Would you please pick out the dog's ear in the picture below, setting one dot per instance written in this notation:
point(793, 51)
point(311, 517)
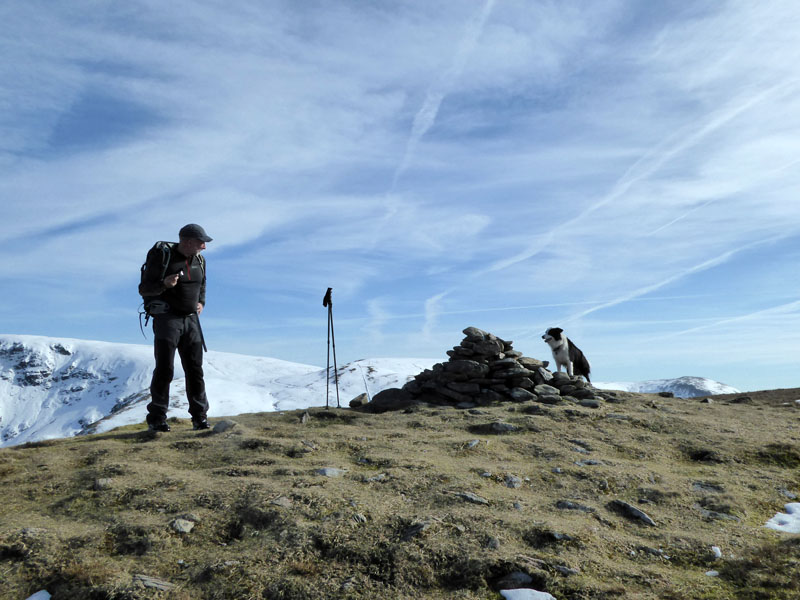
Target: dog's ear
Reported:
point(555, 331)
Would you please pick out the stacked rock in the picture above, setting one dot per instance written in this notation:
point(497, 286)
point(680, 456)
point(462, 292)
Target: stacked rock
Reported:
point(485, 369)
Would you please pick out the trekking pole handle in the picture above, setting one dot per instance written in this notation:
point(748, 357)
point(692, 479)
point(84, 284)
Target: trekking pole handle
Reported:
point(327, 299)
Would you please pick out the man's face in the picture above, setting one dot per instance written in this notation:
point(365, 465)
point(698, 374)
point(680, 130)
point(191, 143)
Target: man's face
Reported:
point(191, 247)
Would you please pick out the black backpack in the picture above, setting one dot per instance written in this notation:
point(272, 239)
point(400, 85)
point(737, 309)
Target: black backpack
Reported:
point(158, 257)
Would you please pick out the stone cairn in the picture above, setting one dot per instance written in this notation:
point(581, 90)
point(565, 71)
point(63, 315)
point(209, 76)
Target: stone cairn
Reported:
point(484, 369)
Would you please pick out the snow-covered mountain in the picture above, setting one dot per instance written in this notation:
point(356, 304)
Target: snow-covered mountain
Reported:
point(682, 387)
point(52, 388)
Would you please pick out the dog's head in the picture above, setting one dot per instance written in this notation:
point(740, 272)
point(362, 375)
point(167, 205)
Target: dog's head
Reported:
point(553, 337)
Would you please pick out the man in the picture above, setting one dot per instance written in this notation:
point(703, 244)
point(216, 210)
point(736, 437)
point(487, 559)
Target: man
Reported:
point(180, 290)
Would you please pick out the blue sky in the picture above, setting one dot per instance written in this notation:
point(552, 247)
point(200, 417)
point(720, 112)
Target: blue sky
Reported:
point(626, 170)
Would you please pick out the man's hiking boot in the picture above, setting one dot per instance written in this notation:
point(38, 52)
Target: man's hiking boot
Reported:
point(160, 426)
point(201, 423)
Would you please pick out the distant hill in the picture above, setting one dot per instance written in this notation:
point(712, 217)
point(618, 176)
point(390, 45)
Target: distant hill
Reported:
point(681, 387)
point(54, 388)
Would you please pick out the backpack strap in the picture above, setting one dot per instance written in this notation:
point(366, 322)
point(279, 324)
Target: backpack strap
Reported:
point(166, 253)
point(202, 264)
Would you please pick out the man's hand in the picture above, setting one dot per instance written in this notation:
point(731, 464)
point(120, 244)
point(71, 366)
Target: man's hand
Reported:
point(199, 308)
point(171, 280)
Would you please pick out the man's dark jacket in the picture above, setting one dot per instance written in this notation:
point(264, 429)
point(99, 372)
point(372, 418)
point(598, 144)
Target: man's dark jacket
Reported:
point(191, 288)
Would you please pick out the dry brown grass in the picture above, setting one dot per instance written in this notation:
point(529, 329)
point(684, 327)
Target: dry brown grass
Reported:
point(396, 524)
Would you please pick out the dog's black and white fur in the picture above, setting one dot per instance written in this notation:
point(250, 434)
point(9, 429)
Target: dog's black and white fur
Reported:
point(566, 354)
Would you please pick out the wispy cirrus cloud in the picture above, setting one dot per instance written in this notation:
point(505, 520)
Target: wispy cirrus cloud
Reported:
point(498, 164)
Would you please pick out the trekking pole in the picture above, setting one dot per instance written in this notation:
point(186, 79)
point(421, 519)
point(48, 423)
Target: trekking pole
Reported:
point(326, 301)
point(200, 329)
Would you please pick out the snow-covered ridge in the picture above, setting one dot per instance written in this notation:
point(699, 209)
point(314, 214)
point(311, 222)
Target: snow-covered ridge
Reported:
point(681, 387)
point(53, 388)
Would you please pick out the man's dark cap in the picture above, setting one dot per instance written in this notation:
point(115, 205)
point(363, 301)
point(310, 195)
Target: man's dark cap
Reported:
point(193, 231)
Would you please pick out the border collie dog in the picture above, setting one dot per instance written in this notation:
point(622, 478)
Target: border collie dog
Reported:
point(566, 354)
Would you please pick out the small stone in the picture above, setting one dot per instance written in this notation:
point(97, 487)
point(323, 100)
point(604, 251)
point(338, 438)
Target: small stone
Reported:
point(475, 334)
point(519, 394)
point(182, 525)
point(513, 482)
point(152, 582)
point(618, 417)
point(590, 403)
point(472, 443)
point(546, 390)
point(631, 512)
point(493, 428)
point(560, 377)
point(452, 394)
point(716, 551)
point(742, 400)
point(469, 368)
point(530, 363)
point(504, 363)
point(330, 472)
point(516, 372)
point(223, 426)
point(488, 347)
point(190, 517)
point(415, 529)
point(104, 483)
point(359, 400)
point(492, 543)
point(471, 389)
point(551, 399)
point(567, 505)
point(712, 573)
point(282, 501)
point(473, 498)
point(359, 518)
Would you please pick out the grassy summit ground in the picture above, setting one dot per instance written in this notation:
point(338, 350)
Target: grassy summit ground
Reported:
point(427, 503)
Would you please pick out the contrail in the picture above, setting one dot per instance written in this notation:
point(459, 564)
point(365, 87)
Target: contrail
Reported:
point(705, 265)
point(646, 166)
point(753, 183)
point(432, 311)
point(782, 309)
point(681, 217)
point(426, 116)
